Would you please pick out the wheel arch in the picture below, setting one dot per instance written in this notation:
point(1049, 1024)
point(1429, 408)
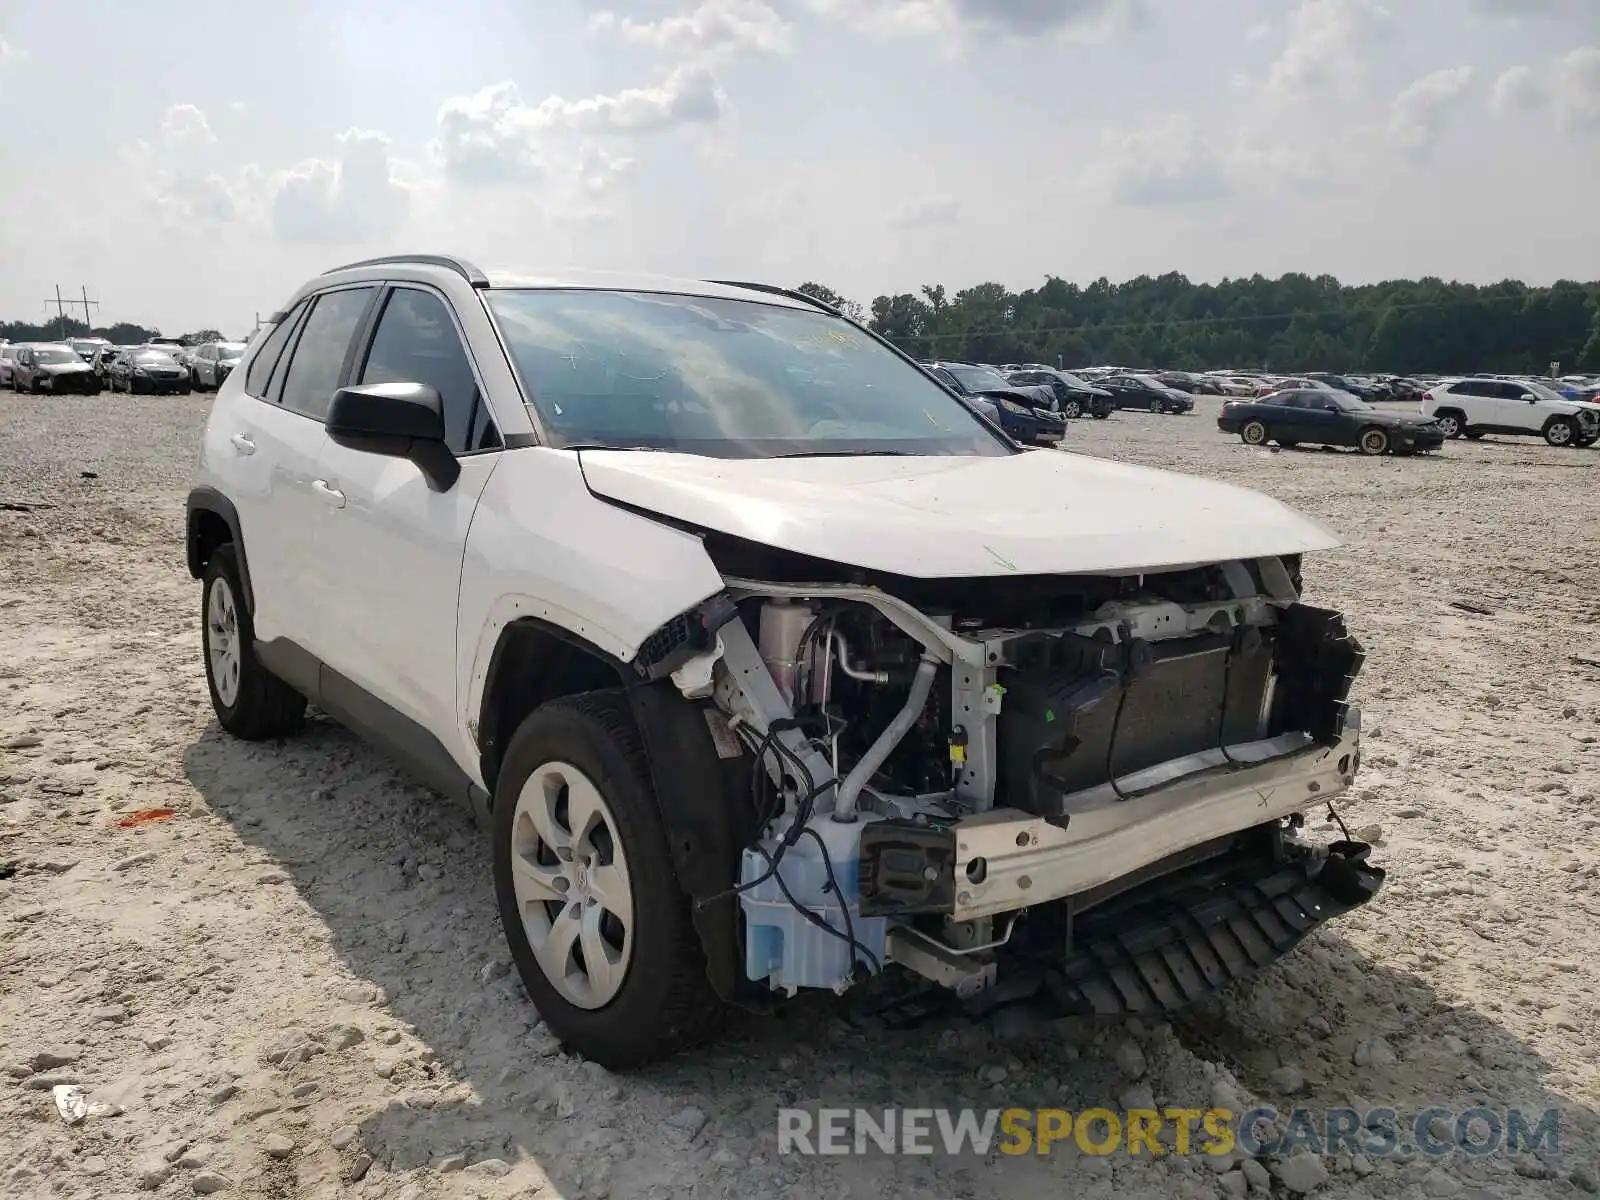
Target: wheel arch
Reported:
point(696, 788)
point(213, 521)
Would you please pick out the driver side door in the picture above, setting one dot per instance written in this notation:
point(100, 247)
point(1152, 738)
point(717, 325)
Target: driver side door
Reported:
point(389, 547)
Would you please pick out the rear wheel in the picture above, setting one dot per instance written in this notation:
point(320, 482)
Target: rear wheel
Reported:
point(1072, 410)
point(591, 908)
point(1472, 435)
point(1155, 406)
point(1450, 422)
point(1561, 431)
point(1288, 443)
point(1254, 433)
point(1373, 441)
point(250, 702)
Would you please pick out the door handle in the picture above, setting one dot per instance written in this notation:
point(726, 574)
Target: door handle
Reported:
point(242, 444)
point(331, 494)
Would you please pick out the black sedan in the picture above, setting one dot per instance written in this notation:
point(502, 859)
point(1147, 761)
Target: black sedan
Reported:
point(1147, 392)
point(1327, 419)
point(1073, 397)
point(148, 369)
point(1022, 410)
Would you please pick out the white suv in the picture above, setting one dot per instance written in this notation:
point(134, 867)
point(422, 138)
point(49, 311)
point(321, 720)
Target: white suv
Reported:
point(764, 663)
point(1475, 407)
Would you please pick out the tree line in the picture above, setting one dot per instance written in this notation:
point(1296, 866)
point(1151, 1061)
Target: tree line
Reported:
point(122, 333)
point(1293, 323)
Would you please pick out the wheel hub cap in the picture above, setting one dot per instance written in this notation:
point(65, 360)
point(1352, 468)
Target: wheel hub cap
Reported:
point(222, 641)
point(573, 889)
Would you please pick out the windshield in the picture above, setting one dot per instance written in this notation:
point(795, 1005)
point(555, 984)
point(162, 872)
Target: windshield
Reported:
point(1543, 391)
point(55, 356)
point(1072, 381)
point(153, 358)
point(1348, 402)
point(981, 379)
point(229, 350)
point(1150, 381)
point(725, 378)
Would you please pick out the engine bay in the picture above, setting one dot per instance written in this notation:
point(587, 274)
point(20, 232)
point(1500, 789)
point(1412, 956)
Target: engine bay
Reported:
point(934, 763)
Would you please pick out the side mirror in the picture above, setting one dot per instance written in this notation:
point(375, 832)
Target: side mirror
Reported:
point(1529, 397)
point(397, 420)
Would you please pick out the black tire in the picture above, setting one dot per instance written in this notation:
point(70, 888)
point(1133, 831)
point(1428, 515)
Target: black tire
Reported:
point(1373, 441)
point(1289, 444)
point(1072, 410)
point(264, 707)
point(1157, 407)
point(664, 1003)
point(1254, 433)
point(1452, 421)
point(1562, 432)
point(1472, 435)
point(1101, 416)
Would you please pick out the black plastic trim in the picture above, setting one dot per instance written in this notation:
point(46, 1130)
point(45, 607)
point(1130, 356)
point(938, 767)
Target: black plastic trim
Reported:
point(450, 262)
point(372, 719)
point(208, 499)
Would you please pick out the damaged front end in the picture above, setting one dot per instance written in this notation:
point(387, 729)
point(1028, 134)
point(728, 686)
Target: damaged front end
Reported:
point(1081, 791)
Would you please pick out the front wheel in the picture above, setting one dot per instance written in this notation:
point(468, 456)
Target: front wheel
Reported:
point(591, 907)
point(1254, 433)
point(1156, 406)
point(1561, 431)
point(1373, 441)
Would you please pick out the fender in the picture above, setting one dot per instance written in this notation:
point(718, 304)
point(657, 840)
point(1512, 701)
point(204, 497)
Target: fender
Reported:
point(699, 792)
point(206, 501)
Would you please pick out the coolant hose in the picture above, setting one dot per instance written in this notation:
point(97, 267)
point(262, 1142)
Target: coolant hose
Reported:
point(844, 807)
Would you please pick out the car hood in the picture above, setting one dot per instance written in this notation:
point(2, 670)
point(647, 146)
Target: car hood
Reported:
point(1025, 396)
point(1047, 512)
point(62, 368)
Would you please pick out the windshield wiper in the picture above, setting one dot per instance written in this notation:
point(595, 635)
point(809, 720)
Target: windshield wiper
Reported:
point(601, 446)
point(846, 454)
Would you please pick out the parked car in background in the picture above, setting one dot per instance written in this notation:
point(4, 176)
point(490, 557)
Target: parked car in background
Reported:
point(1327, 418)
point(100, 364)
point(1023, 412)
point(211, 363)
point(1477, 406)
point(87, 347)
point(1339, 383)
point(53, 367)
point(8, 361)
point(1236, 385)
point(1073, 396)
point(1146, 392)
point(148, 368)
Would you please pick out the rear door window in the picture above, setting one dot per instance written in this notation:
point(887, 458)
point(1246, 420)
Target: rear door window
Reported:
point(317, 361)
point(267, 355)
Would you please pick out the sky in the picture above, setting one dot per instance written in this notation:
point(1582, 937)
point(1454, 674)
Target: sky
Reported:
point(192, 164)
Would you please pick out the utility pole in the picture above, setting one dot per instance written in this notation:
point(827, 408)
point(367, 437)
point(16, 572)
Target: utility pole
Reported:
point(61, 307)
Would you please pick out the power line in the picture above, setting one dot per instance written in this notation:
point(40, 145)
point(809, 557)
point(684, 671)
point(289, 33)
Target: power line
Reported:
point(63, 305)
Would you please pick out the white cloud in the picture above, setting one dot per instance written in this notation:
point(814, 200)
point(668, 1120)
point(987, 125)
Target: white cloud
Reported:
point(1517, 88)
point(352, 200)
point(1167, 161)
point(1575, 90)
point(1419, 114)
point(714, 27)
point(1324, 47)
point(8, 52)
point(491, 136)
point(1016, 18)
point(184, 127)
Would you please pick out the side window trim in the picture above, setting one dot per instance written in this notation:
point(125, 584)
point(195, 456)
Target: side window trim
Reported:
point(367, 334)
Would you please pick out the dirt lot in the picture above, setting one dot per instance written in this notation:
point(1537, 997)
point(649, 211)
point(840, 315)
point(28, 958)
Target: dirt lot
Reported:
point(296, 986)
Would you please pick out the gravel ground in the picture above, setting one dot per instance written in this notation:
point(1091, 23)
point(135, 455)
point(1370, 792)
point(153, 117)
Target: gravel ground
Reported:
point(295, 986)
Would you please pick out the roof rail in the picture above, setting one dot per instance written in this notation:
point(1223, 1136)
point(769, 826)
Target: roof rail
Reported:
point(449, 261)
point(773, 289)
